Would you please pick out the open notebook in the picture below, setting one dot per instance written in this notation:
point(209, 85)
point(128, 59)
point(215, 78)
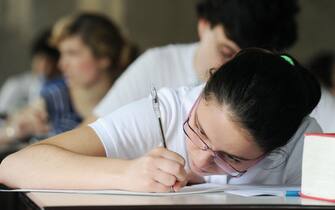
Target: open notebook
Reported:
point(243, 190)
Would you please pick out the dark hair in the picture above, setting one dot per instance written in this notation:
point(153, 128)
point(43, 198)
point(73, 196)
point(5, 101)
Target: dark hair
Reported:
point(101, 35)
point(322, 65)
point(41, 46)
point(249, 23)
point(266, 95)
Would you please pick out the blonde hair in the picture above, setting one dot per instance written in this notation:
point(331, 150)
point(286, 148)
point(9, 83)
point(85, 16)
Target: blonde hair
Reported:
point(59, 30)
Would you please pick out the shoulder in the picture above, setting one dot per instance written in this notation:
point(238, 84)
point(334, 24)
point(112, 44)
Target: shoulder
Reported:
point(183, 96)
point(170, 49)
point(15, 87)
point(327, 101)
point(323, 112)
point(294, 149)
point(168, 53)
point(19, 79)
point(308, 125)
point(53, 85)
point(55, 90)
point(155, 61)
point(176, 103)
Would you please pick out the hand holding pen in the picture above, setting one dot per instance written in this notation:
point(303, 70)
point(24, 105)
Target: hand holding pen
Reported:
point(160, 170)
point(157, 171)
point(155, 104)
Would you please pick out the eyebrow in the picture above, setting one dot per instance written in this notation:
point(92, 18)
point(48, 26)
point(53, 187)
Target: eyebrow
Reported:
point(200, 127)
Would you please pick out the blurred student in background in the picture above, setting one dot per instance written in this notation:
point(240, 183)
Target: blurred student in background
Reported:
point(322, 66)
point(21, 90)
point(93, 56)
point(224, 27)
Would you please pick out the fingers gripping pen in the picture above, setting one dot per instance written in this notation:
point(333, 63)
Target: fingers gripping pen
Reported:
point(155, 105)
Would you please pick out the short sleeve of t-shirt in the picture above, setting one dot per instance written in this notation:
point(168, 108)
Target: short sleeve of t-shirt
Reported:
point(133, 130)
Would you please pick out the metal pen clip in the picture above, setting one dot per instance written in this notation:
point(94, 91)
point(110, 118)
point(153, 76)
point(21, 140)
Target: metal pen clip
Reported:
point(155, 103)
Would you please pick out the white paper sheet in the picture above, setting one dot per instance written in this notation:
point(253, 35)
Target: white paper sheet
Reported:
point(242, 190)
point(194, 189)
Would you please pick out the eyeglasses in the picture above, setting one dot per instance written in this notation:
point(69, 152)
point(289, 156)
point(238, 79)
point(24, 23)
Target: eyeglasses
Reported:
point(230, 164)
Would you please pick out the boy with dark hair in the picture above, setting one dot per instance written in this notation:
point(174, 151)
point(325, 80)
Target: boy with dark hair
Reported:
point(224, 28)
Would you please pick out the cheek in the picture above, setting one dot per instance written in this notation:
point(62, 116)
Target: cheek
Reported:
point(86, 66)
point(83, 72)
point(85, 69)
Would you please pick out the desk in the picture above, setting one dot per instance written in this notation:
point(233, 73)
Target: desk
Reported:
point(53, 201)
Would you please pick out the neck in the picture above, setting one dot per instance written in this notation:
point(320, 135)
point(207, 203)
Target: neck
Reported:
point(199, 66)
point(85, 99)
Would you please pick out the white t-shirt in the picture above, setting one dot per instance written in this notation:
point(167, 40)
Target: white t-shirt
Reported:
point(168, 66)
point(133, 131)
point(324, 112)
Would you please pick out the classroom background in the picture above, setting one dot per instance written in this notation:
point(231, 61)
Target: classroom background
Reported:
point(147, 23)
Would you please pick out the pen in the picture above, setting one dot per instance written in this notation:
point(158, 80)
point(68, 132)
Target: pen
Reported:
point(155, 104)
point(292, 193)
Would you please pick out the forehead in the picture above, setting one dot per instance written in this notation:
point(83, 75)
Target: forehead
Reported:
point(71, 41)
point(224, 133)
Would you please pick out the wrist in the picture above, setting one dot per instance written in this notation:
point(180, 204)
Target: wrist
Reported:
point(115, 174)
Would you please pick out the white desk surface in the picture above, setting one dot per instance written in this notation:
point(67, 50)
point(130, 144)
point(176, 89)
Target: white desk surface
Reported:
point(65, 199)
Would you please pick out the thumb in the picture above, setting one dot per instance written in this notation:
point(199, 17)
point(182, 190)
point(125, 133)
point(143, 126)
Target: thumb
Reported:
point(179, 184)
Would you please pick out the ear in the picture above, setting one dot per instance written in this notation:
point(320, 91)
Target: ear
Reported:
point(203, 26)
